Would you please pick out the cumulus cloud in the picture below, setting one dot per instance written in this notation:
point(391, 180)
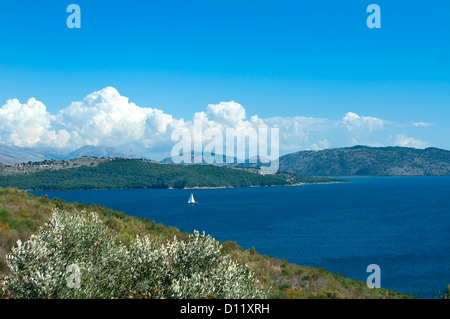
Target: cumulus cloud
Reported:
point(355, 122)
point(228, 113)
point(405, 141)
point(107, 118)
point(29, 124)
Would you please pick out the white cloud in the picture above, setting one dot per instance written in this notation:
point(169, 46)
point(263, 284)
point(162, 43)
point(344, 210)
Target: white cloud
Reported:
point(421, 124)
point(320, 145)
point(229, 113)
point(405, 141)
point(29, 124)
point(355, 122)
point(107, 118)
point(295, 132)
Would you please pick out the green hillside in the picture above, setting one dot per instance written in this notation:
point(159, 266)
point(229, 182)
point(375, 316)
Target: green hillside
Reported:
point(136, 173)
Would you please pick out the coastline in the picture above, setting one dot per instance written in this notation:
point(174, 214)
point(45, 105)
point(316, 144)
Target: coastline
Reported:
point(184, 188)
point(287, 185)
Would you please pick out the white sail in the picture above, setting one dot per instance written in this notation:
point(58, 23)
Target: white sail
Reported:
point(191, 199)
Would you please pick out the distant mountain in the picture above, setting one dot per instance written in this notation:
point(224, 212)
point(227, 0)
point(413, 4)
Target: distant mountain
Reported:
point(194, 156)
point(15, 155)
point(351, 161)
point(368, 161)
point(97, 151)
point(254, 162)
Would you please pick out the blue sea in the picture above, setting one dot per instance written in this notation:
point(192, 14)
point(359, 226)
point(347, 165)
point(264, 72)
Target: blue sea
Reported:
point(401, 224)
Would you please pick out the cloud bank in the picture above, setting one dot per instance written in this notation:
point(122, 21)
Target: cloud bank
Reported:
point(107, 118)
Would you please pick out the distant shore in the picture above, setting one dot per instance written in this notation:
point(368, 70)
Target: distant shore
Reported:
point(287, 185)
point(184, 188)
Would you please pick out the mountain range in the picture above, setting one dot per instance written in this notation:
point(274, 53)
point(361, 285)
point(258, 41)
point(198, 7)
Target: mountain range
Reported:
point(349, 161)
point(357, 161)
point(15, 155)
point(202, 159)
point(368, 161)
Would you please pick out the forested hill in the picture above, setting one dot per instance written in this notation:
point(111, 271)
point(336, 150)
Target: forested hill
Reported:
point(92, 173)
point(368, 161)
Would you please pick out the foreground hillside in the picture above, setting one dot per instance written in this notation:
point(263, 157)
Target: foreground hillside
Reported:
point(21, 214)
point(368, 161)
point(91, 173)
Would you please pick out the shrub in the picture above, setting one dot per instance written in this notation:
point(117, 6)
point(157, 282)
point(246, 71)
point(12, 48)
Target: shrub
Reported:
point(42, 266)
point(445, 294)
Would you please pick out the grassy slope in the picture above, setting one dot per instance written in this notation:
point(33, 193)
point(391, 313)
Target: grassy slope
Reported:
point(21, 214)
point(132, 173)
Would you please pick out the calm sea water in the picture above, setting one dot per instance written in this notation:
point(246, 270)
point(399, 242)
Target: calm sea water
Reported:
point(400, 223)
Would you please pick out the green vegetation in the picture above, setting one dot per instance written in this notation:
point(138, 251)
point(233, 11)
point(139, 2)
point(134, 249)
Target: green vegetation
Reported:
point(134, 173)
point(75, 256)
point(23, 213)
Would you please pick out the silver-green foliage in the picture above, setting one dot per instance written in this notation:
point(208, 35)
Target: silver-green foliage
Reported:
point(109, 269)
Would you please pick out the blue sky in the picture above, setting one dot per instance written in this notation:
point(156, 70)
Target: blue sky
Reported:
point(314, 59)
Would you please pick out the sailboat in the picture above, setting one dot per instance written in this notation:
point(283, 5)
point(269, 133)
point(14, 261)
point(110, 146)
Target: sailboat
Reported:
point(192, 200)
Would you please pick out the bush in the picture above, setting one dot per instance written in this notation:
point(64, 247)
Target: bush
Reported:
point(46, 266)
point(445, 294)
